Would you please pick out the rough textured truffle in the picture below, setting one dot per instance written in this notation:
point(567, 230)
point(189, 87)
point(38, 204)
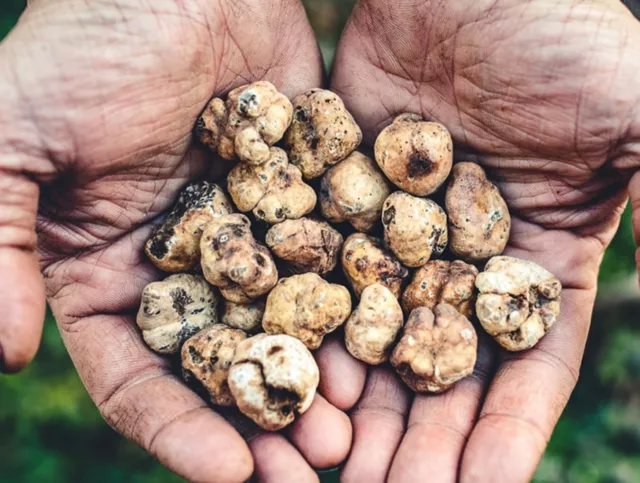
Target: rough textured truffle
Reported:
point(519, 301)
point(174, 245)
point(246, 317)
point(322, 132)
point(437, 349)
point(207, 357)
point(442, 282)
point(306, 307)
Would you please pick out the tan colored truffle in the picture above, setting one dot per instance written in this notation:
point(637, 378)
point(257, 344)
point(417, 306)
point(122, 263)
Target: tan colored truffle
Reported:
point(372, 328)
point(322, 132)
point(234, 261)
point(174, 245)
point(307, 245)
point(273, 379)
point(253, 118)
point(354, 191)
point(306, 307)
point(414, 154)
point(246, 317)
point(174, 309)
point(415, 229)
point(519, 301)
point(442, 282)
point(437, 349)
point(273, 190)
point(479, 220)
point(365, 262)
point(207, 357)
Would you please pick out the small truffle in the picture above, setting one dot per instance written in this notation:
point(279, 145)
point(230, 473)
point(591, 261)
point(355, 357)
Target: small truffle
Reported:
point(307, 245)
point(174, 245)
point(372, 328)
point(273, 379)
point(322, 132)
point(253, 119)
point(415, 229)
point(306, 307)
point(437, 349)
point(442, 282)
point(365, 262)
point(207, 357)
point(246, 317)
point(479, 220)
point(519, 301)
point(174, 309)
point(414, 154)
point(354, 191)
point(273, 190)
point(234, 261)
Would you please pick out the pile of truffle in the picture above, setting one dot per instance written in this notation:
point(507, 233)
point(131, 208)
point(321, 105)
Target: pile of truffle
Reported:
point(288, 277)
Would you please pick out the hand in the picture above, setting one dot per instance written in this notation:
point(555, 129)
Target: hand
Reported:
point(543, 94)
point(99, 100)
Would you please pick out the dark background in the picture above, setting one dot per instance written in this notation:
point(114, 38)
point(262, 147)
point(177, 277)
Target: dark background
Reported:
point(50, 432)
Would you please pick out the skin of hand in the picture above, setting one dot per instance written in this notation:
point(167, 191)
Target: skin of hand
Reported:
point(99, 100)
point(543, 93)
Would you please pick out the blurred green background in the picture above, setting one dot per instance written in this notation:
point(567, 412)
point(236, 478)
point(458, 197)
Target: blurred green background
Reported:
point(50, 431)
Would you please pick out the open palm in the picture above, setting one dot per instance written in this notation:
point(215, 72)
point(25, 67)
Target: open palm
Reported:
point(543, 93)
point(105, 97)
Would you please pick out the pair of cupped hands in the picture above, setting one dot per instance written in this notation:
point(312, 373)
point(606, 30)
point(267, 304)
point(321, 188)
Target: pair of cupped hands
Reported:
point(98, 103)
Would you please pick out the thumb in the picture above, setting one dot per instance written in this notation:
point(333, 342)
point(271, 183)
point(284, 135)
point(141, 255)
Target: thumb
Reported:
point(22, 297)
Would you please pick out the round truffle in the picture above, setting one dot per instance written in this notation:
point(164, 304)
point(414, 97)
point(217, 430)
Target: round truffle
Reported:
point(415, 229)
point(414, 154)
point(354, 191)
point(246, 317)
point(273, 379)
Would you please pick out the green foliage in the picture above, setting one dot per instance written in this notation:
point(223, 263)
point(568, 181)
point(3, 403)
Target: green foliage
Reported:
point(51, 432)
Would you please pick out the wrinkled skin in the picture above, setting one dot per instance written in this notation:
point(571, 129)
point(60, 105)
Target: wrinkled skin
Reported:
point(540, 93)
point(102, 135)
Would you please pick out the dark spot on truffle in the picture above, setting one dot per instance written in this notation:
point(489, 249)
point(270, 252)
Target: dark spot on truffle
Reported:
point(274, 350)
point(159, 246)
point(195, 356)
point(419, 166)
point(180, 300)
point(389, 215)
point(361, 265)
point(260, 260)
point(301, 115)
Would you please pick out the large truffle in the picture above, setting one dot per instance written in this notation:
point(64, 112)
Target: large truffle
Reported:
point(519, 301)
point(306, 307)
point(372, 328)
point(479, 220)
point(234, 261)
point(322, 132)
point(174, 245)
point(414, 154)
point(366, 262)
point(273, 379)
point(274, 190)
point(254, 117)
point(415, 229)
point(174, 309)
point(354, 191)
point(307, 245)
point(207, 357)
point(437, 349)
point(442, 282)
